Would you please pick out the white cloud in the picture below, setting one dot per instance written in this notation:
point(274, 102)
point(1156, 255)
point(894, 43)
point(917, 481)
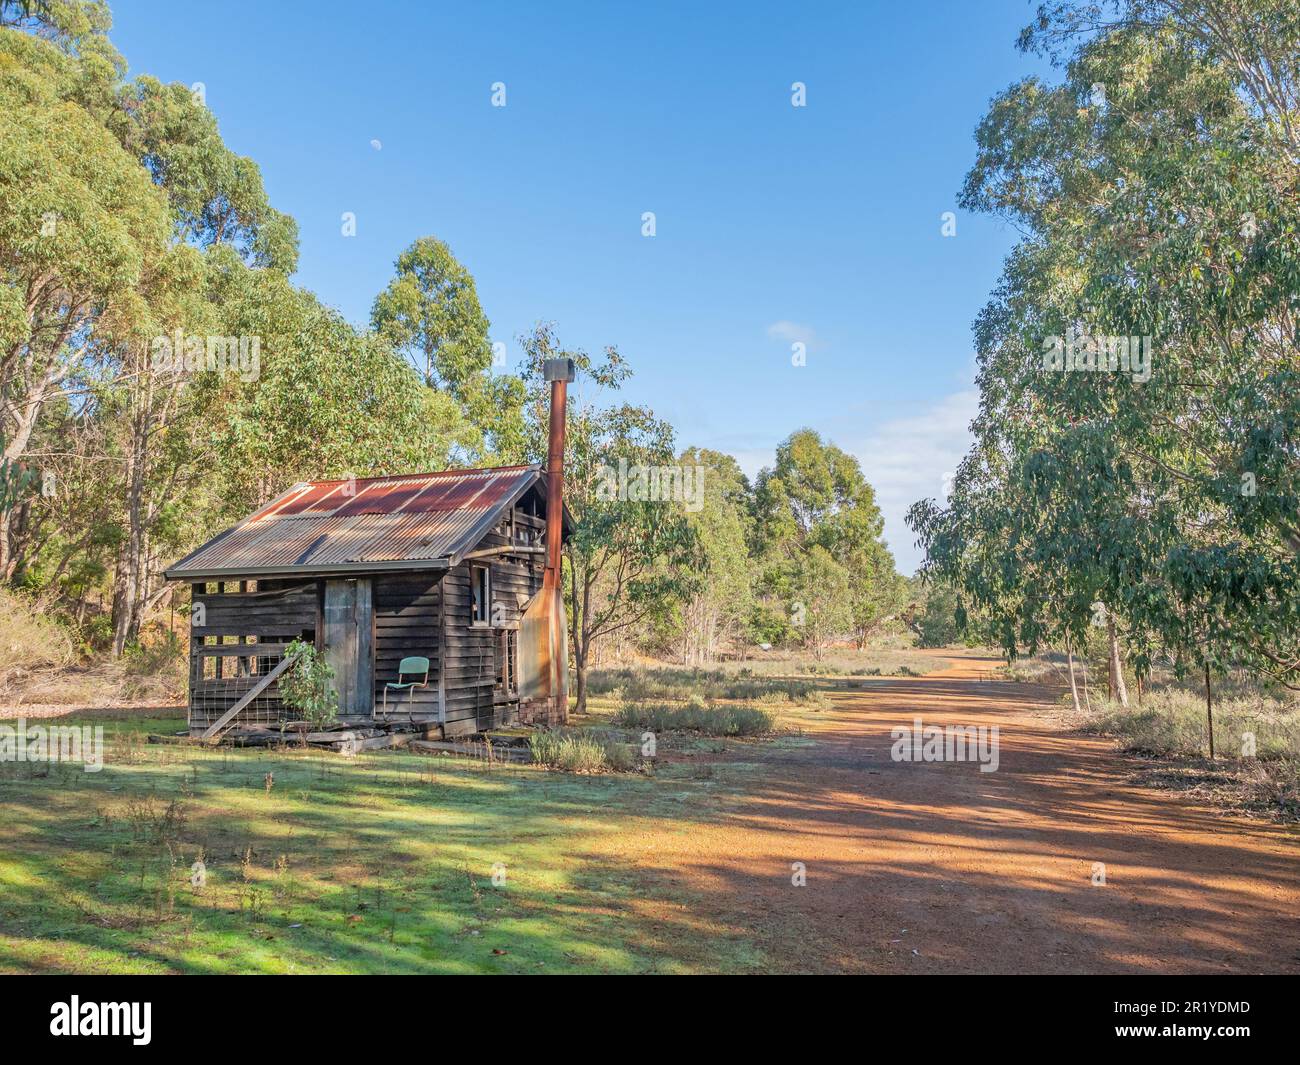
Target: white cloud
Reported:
point(792, 332)
point(906, 459)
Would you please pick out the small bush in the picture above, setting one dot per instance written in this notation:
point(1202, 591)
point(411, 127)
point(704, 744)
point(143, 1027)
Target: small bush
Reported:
point(708, 720)
point(308, 685)
point(146, 658)
point(619, 758)
point(579, 752)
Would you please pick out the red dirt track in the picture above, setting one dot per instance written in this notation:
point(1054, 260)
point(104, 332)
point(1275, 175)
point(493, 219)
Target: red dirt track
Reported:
point(938, 868)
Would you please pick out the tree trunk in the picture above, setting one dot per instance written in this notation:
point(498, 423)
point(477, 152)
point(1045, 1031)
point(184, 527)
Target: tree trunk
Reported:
point(1117, 687)
point(580, 680)
point(1074, 687)
point(1209, 710)
point(580, 638)
point(5, 553)
point(129, 580)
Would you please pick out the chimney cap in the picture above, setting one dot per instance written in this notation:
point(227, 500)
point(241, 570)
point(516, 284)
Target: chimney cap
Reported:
point(559, 369)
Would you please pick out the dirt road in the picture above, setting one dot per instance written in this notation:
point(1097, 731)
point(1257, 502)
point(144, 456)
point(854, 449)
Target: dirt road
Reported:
point(938, 867)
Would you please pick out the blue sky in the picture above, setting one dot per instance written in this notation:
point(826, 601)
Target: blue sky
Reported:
point(774, 224)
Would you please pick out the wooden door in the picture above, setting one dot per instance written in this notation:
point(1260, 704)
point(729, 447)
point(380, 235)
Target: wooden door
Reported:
point(348, 643)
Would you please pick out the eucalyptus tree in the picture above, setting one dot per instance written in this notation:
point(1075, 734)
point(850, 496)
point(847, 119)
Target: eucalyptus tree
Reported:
point(430, 312)
point(1155, 185)
point(721, 516)
point(815, 496)
point(222, 221)
point(82, 227)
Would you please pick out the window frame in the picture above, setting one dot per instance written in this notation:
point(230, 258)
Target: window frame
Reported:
point(475, 569)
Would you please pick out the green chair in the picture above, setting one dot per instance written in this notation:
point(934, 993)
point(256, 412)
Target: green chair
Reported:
point(412, 667)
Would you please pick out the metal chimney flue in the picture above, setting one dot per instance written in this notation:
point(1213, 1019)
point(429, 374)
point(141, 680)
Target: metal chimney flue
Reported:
point(543, 640)
point(559, 372)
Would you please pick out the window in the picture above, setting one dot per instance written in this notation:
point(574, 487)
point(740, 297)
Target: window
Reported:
point(507, 655)
point(480, 590)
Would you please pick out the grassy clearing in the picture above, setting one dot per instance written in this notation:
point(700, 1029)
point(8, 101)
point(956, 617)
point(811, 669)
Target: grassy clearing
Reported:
point(637, 683)
point(387, 862)
point(695, 716)
point(712, 703)
point(1257, 741)
point(879, 662)
point(773, 680)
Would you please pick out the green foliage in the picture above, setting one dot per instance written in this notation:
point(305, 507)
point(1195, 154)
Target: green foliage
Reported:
point(308, 685)
point(329, 402)
point(937, 624)
point(716, 614)
point(430, 311)
point(15, 483)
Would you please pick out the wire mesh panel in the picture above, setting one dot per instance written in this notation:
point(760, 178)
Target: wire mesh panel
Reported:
point(211, 695)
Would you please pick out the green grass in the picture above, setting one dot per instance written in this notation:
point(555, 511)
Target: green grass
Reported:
point(317, 863)
point(872, 662)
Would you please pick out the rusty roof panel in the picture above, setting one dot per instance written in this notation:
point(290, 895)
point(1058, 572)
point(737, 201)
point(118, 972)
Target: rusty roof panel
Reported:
point(427, 517)
point(306, 497)
point(385, 498)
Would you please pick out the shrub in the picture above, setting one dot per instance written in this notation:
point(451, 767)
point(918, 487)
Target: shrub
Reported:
point(579, 752)
point(146, 657)
point(308, 685)
point(1171, 723)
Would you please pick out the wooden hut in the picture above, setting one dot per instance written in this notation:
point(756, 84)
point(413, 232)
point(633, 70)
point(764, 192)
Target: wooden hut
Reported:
point(373, 571)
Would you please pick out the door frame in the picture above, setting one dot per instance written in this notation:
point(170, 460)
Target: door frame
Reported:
point(354, 623)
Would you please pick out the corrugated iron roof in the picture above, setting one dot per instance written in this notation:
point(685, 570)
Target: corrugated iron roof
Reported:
point(370, 523)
